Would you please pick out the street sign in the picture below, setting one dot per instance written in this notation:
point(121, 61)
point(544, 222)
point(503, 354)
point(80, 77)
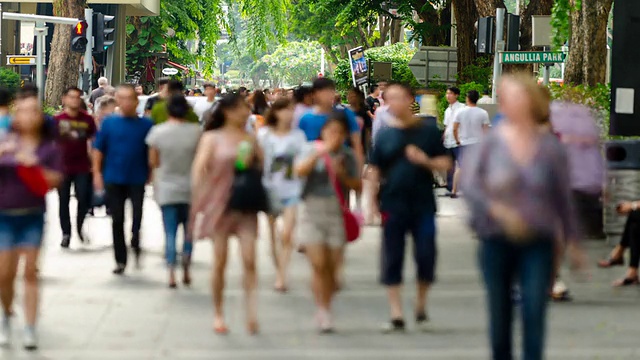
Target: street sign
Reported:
point(532, 57)
point(169, 71)
point(435, 64)
point(21, 60)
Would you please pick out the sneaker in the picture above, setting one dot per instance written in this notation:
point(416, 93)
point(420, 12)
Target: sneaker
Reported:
point(119, 270)
point(66, 240)
point(5, 332)
point(395, 325)
point(29, 339)
point(422, 322)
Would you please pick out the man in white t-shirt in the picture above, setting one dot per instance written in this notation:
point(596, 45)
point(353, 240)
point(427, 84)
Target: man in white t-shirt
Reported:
point(202, 105)
point(470, 123)
point(448, 139)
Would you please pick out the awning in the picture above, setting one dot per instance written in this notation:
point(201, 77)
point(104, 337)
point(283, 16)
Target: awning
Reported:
point(177, 66)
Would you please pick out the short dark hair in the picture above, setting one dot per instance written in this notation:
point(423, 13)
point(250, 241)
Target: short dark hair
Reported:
point(27, 91)
point(6, 97)
point(373, 89)
point(485, 92)
point(242, 89)
point(454, 90)
point(473, 96)
point(175, 86)
point(216, 117)
point(300, 93)
point(404, 86)
point(178, 106)
point(323, 84)
point(339, 117)
point(72, 89)
point(163, 81)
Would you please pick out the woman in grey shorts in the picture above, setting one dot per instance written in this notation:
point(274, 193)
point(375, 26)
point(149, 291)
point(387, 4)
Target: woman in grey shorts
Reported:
point(321, 226)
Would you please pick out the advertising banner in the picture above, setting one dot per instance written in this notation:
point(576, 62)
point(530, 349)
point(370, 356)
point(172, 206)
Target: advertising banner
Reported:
point(359, 70)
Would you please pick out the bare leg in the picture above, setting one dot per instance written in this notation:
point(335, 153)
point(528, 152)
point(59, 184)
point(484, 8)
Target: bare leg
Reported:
point(289, 219)
point(220, 250)
point(247, 237)
point(395, 301)
point(275, 254)
point(8, 270)
point(31, 293)
point(456, 178)
point(322, 283)
point(422, 290)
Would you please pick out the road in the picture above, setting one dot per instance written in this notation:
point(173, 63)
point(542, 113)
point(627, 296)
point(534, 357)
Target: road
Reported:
point(88, 313)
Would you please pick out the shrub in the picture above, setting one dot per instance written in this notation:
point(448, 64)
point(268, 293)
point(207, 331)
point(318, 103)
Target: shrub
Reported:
point(9, 79)
point(479, 72)
point(398, 54)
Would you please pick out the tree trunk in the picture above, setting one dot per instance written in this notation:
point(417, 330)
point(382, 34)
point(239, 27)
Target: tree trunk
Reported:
point(63, 64)
point(587, 60)
point(397, 31)
point(429, 15)
point(535, 7)
point(486, 8)
point(466, 15)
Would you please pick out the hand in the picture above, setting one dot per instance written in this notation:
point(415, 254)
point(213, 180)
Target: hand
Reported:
point(512, 223)
point(7, 147)
point(625, 208)
point(416, 156)
point(98, 182)
point(26, 158)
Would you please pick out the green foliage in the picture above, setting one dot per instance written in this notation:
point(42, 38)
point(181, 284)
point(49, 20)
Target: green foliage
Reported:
point(9, 79)
point(560, 21)
point(479, 72)
point(443, 104)
point(51, 110)
point(398, 54)
point(293, 62)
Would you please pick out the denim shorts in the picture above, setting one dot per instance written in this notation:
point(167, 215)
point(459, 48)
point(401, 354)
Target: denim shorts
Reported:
point(21, 230)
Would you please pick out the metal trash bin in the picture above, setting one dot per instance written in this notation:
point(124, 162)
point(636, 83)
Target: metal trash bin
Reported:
point(623, 183)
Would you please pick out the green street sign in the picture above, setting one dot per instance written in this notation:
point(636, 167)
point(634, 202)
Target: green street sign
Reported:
point(532, 57)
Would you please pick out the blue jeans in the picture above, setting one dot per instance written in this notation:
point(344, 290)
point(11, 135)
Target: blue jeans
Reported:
point(455, 154)
point(21, 230)
point(423, 231)
point(503, 263)
point(173, 216)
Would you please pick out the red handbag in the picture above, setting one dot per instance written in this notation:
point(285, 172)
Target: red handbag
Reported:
point(33, 178)
point(352, 222)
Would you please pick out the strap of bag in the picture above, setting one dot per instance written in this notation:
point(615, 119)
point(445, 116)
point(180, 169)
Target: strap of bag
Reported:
point(332, 177)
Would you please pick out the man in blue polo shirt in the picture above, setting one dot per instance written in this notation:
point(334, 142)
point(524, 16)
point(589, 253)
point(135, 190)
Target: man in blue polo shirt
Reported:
point(324, 93)
point(121, 167)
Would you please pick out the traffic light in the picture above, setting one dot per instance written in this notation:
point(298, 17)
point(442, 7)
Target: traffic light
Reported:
point(485, 29)
point(513, 33)
point(101, 33)
point(79, 37)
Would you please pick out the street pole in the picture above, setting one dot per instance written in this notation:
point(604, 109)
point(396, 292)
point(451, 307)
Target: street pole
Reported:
point(88, 53)
point(0, 29)
point(322, 61)
point(41, 32)
point(546, 71)
point(497, 67)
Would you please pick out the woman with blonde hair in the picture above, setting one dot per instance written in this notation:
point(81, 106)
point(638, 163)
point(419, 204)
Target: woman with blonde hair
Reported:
point(517, 186)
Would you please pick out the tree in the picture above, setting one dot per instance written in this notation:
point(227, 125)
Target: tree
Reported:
point(294, 62)
point(64, 65)
point(587, 60)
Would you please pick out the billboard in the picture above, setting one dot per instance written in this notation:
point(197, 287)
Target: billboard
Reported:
point(359, 70)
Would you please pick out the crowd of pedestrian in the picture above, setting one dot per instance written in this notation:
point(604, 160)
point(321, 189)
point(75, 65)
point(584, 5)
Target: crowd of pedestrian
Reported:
point(300, 157)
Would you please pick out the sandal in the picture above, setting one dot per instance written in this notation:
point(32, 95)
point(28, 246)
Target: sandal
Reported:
point(626, 282)
point(610, 262)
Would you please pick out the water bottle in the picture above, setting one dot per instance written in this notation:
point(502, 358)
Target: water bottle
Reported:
point(244, 151)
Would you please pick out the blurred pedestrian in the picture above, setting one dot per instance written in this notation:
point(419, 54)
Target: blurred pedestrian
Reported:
point(222, 207)
point(331, 171)
point(403, 159)
point(121, 167)
point(30, 165)
point(76, 129)
point(449, 140)
point(172, 148)
point(517, 186)
point(281, 144)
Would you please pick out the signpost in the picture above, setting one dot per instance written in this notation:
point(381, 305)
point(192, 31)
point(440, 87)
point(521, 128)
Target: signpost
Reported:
point(21, 60)
point(532, 57)
point(359, 69)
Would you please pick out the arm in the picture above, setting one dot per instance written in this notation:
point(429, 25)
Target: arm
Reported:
point(348, 173)
point(305, 166)
point(203, 157)
point(154, 157)
point(456, 132)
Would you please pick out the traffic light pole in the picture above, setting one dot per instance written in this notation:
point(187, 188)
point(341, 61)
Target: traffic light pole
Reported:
point(88, 53)
point(497, 66)
point(41, 33)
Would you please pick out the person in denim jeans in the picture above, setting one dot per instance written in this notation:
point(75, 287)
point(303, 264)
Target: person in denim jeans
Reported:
point(517, 185)
point(30, 163)
point(172, 148)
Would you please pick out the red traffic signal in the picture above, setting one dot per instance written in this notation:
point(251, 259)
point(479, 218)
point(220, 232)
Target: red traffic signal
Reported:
point(81, 28)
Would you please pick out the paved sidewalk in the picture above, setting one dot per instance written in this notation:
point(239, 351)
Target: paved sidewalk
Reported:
point(88, 313)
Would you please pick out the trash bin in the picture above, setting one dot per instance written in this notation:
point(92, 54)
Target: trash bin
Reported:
point(623, 183)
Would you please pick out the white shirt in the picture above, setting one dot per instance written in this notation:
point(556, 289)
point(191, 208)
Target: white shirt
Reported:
point(279, 156)
point(449, 118)
point(471, 120)
point(485, 99)
point(201, 106)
